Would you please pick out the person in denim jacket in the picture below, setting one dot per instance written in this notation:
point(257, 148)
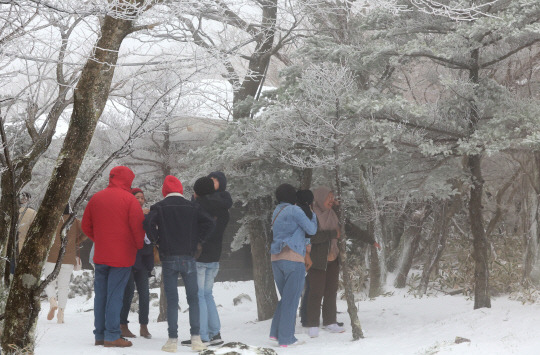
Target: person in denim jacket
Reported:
point(290, 258)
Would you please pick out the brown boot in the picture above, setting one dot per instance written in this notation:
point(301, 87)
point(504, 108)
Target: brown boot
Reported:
point(126, 333)
point(144, 332)
point(100, 342)
point(118, 343)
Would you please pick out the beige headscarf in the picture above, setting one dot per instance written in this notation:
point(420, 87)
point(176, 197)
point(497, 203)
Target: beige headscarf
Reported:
point(327, 218)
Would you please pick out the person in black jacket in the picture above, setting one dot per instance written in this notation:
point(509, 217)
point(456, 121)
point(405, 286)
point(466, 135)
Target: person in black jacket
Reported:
point(178, 225)
point(220, 185)
point(216, 204)
point(140, 272)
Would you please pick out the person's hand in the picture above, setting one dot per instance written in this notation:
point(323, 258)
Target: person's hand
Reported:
point(308, 262)
point(376, 245)
point(145, 210)
point(195, 194)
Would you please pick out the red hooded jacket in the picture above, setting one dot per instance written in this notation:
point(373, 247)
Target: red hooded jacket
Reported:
point(113, 219)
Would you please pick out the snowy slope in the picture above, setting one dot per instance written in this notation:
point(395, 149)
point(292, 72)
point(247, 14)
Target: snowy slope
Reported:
point(398, 324)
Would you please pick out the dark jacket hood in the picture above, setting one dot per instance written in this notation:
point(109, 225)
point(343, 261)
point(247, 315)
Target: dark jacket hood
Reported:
point(221, 178)
point(121, 177)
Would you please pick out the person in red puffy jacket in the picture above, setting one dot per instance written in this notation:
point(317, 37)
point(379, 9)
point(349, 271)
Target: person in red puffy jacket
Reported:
point(113, 219)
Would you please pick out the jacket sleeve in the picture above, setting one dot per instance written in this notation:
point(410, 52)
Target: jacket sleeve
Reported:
point(222, 198)
point(356, 232)
point(323, 236)
point(150, 224)
point(87, 224)
point(205, 224)
point(136, 218)
point(309, 226)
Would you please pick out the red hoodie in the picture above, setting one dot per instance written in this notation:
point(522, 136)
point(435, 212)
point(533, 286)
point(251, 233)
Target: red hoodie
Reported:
point(113, 219)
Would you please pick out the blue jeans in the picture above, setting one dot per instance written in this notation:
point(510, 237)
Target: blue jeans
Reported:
point(210, 325)
point(137, 279)
point(183, 265)
point(109, 285)
point(289, 277)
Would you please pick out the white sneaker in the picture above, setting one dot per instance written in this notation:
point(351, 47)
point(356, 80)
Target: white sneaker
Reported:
point(313, 332)
point(60, 315)
point(334, 328)
point(296, 343)
point(171, 346)
point(197, 344)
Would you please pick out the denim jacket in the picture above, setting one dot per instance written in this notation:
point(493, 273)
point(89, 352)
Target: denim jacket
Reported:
point(290, 228)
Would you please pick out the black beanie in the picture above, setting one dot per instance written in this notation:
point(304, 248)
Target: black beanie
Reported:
point(204, 186)
point(286, 193)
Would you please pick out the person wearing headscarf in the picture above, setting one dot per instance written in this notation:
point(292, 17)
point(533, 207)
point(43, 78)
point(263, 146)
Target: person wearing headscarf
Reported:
point(323, 276)
point(74, 237)
point(288, 255)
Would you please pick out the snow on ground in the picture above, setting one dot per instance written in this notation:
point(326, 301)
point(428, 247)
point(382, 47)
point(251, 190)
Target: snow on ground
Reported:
point(397, 324)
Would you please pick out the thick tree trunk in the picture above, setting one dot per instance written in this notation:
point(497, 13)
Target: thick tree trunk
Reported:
point(476, 217)
point(412, 235)
point(91, 95)
point(480, 243)
point(260, 238)
point(377, 261)
point(8, 225)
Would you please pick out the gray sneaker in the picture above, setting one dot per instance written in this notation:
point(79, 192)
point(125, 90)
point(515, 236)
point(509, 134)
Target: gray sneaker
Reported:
point(216, 340)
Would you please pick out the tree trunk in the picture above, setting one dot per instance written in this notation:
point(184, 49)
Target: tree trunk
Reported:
point(377, 261)
point(91, 94)
point(162, 317)
point(480, 243)
point(347, 272)
point(306, 177)
point(8, 225)
point(442, 225)
point(532, 233)
point(476, 217)
point(413, 234)
point(258, 62)
point(260, 238)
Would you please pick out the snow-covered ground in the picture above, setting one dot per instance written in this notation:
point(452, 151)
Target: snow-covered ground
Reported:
point(397, 324)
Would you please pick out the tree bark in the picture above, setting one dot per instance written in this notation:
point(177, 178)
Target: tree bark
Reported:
point(258, 62)
point(347, 272)
point(90, 97)
point(260, 238)
point(162, 317)
point(476, 217)
point(413, 234)
point(532, 234)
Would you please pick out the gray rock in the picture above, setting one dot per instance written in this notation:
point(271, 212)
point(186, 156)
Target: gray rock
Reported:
point(241, 298)
point(460, 340)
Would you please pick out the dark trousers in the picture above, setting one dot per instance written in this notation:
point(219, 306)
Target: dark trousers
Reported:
point(139, 279)
point(323, 286)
